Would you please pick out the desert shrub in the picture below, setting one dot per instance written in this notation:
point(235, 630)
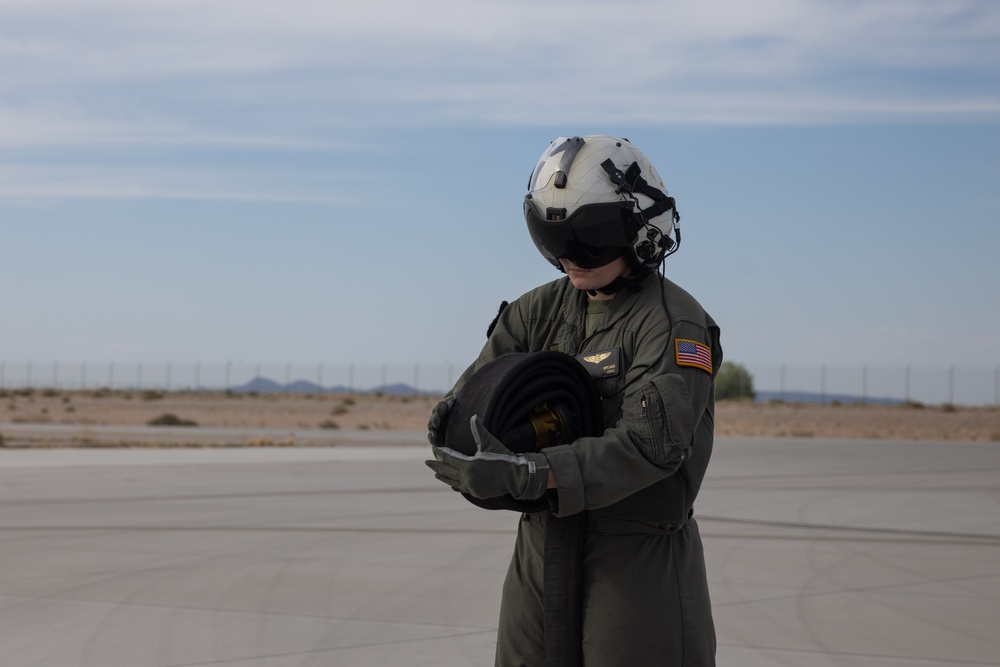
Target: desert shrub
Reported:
point(329, 423)
point(33, 419)
point(734, 381)
point(170, 419)
point(150, 395)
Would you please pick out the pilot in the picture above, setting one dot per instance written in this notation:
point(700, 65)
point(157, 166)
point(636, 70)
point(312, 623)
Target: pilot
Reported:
point(597, 210)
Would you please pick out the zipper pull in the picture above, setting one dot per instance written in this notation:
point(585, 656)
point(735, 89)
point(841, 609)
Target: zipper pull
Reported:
point(642, 402)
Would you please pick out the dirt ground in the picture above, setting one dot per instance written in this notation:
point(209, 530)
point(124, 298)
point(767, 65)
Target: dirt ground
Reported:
point(358, 411)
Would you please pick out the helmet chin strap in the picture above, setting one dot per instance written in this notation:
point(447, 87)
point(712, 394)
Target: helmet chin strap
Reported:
point(632, 282)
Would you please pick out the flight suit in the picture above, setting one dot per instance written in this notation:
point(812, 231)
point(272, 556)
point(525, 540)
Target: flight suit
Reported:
point(645, 593)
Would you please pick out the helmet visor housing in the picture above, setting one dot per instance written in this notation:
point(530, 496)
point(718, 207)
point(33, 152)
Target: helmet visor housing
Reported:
point(592, 236)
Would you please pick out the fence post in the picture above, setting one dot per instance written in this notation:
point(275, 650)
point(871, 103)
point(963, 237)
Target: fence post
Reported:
point(951, 385)
point(822, 385)
point(864, 385)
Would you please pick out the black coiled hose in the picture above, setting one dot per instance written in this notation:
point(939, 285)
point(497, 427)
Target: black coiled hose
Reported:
point(530, 401)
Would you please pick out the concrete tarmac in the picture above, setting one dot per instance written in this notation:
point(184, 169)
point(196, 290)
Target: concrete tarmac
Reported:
point(820, 553)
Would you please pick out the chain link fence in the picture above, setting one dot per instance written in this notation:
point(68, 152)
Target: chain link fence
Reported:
point(953, 385)
point(235, 376)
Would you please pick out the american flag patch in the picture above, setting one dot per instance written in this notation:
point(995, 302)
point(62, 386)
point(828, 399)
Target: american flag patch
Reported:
point(693, 353)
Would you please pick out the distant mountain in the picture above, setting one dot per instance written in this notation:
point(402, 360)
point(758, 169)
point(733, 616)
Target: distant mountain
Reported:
point(262, 385)
point(811, 397)
point(259, 385)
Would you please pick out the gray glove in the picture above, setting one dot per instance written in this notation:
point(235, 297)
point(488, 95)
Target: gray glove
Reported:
point(436, 423)
point(493, 471)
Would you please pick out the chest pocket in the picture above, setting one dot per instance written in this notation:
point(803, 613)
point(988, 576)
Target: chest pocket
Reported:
point(605, 369)
point(602, 364)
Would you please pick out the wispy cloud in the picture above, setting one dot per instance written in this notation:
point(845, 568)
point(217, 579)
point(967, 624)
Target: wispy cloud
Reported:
point(896, 57)
point(27, 184)
point(296, 74)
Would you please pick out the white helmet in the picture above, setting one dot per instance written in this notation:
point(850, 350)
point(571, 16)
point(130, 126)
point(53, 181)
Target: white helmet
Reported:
point(594, 199)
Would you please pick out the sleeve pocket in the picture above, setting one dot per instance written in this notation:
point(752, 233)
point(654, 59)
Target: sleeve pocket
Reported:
point(665, 405)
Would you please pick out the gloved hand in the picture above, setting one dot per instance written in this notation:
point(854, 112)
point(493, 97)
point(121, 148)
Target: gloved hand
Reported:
point(493, 471)
point(438, 418)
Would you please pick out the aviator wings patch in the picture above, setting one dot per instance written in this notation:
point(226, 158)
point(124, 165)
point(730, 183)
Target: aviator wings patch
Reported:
point(597, 358)
point(600, 364)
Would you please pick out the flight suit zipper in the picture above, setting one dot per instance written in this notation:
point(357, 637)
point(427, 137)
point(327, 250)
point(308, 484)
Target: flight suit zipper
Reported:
point(655, 434)
point(644, 413)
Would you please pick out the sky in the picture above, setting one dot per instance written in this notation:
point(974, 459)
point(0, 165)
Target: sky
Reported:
point(313, 182)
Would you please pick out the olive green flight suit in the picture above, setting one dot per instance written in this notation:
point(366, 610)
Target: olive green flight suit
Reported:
point(645, 593)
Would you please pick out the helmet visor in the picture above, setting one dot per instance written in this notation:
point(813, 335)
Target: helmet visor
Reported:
point(594, 235)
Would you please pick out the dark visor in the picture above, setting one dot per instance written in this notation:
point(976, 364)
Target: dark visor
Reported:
point(594, 235)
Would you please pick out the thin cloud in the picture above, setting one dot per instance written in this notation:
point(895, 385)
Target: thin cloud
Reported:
point(713, 49)
point(298, 75)
point(129, 183)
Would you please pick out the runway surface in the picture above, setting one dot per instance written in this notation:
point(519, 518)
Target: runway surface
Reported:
point(820, 553)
